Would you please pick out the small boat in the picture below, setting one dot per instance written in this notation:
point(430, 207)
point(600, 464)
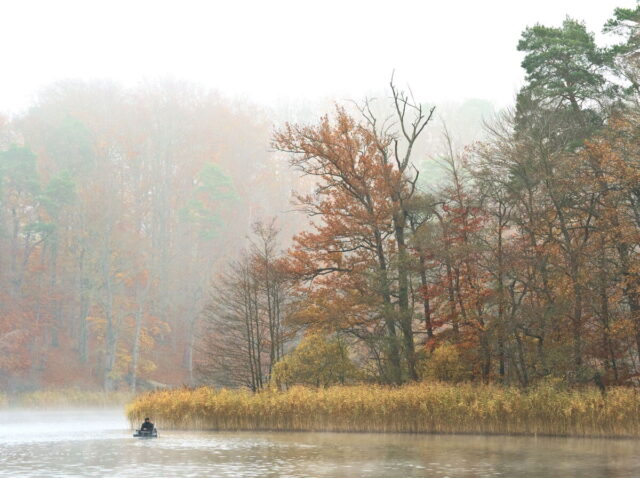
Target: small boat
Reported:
point(146, 434)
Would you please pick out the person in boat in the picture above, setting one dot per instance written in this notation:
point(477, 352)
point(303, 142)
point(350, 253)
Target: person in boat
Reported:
point(147, 426)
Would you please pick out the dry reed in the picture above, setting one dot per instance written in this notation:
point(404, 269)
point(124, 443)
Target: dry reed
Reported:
point(416, 408)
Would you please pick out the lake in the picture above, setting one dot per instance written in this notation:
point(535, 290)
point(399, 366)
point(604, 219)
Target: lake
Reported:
point(75, 443)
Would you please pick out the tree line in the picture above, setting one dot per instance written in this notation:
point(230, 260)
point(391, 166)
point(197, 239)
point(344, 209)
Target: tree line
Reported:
point(522, 265)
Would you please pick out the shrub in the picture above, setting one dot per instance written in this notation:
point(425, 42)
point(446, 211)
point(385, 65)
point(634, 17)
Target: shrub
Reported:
point(317, 362)
point(445, 365)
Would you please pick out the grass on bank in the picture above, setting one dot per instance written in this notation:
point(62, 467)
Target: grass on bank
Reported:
point(66, 397)
point(415, 408)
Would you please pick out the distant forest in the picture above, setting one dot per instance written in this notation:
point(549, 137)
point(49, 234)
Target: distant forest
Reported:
point(166, 235)
point(117, 207)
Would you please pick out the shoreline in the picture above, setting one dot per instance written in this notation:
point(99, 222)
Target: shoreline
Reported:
point(434, 434)
point(420, 408)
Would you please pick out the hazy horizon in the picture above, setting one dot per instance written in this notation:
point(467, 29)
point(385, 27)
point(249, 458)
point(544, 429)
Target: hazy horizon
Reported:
point(273, 54)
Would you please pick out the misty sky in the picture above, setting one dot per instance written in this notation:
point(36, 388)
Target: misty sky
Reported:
point(267, 51)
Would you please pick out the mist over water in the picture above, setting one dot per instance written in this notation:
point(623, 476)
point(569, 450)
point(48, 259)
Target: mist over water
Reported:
point(29, 426)
point(70, 443)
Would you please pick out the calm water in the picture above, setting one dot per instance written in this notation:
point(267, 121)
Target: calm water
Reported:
point(99, 443)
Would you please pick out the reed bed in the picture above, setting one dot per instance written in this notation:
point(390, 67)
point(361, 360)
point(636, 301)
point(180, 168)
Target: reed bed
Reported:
point(69, 397)
point(416, 408)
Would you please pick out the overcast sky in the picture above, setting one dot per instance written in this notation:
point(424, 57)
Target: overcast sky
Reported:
point(287, 49)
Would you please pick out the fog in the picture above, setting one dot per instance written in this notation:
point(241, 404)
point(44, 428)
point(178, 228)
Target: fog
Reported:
point(267, 52)
point(98, 443)
point(136, 149)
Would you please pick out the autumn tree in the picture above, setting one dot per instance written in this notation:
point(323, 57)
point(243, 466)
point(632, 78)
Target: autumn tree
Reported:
point(364, 184)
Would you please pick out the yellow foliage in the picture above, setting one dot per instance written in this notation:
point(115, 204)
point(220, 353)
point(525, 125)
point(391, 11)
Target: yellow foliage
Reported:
point(445, 364)
point(316, 361)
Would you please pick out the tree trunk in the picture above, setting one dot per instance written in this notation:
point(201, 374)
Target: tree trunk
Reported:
point(395, 375)
point(135, 354)
point(403, 295)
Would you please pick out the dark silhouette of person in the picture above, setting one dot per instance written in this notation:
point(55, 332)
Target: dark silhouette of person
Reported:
point(147, 426)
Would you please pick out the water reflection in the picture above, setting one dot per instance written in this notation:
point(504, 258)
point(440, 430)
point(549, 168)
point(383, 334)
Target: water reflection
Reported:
point(99, 443)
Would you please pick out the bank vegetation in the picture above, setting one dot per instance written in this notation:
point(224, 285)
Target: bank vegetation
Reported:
point(547, 409)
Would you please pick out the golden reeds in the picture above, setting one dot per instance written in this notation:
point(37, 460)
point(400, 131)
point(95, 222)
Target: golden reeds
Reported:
point(416, 408)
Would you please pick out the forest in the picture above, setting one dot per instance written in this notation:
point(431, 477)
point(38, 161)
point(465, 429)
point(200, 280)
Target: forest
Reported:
point(117, 206)
point(164, 235)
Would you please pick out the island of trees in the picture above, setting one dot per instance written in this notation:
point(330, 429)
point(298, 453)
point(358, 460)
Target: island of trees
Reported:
point(512, 279)
point(521, 266)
